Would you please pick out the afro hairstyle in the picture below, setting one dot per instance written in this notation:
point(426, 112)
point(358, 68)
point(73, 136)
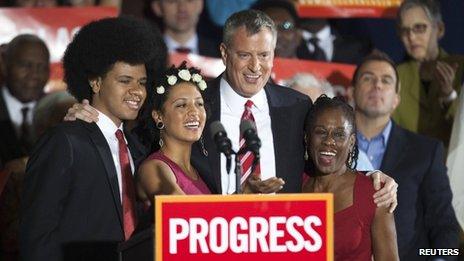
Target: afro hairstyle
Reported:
point(100, 44)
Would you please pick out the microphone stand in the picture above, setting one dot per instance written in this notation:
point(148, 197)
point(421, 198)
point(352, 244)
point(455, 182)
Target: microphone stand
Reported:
point(238, 173)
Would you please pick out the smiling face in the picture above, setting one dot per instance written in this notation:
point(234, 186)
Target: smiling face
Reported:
point(249, 60)
point(330, 140)
point(375, 92)
point(121, 92)
point(183, 114)
point(420, 34)
point(28, 71)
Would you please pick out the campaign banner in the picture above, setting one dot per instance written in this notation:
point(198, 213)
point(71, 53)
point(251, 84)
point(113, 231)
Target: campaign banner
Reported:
point(347, 8)
point(56, 26)
point(244, 227)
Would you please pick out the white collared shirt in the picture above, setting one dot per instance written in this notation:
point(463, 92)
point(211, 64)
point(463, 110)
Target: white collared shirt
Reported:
point(325, 41)
point(108, 128)
point(232, 107)
point(172, 44)
point(14, 107)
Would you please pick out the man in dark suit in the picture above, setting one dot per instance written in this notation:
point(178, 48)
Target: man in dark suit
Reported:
point(279, 113)
point(321, 42)
point(179, 23)
point(425, 217)
point(79, 198)
point(27, 69)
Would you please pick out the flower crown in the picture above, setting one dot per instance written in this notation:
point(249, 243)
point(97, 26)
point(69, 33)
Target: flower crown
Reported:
point(185, 74)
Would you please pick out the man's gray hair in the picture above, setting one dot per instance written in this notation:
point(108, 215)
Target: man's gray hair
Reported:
point(430, 7)
point(253, 20)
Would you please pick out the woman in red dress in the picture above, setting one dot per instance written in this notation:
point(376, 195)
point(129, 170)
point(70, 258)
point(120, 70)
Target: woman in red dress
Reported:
point(362, 230)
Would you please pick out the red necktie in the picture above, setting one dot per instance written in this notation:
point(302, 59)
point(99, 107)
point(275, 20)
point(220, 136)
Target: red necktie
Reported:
point(247, 159)
point(128, 190)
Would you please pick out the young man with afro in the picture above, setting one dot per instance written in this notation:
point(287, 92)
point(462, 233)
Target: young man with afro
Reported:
point(79, 199)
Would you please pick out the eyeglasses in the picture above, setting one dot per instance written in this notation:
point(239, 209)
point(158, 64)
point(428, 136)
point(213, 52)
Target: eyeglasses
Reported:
point(416, 29)
point(286, 26)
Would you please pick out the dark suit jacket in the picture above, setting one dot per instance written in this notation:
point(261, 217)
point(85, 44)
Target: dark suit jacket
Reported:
point(208, 47)
point(424, 217)
point(71, 207)
point(10, 147)
point(288, 111)
point(346, 50)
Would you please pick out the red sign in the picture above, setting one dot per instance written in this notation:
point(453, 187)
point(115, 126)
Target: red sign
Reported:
point(244, 227)
point(347, 8)
point(56, 26)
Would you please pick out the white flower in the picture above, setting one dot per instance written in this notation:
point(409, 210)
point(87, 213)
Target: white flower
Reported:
point(196, 77)
point(172, 79)
point(184, 75)
point(202, 85)
point(160, 89)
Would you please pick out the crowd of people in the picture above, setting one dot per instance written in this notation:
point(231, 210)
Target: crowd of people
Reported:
point(137, 128)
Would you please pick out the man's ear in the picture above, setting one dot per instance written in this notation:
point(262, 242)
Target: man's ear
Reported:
point(441, 30)
point(95, 84)
point(156, 8)
point(223, 49)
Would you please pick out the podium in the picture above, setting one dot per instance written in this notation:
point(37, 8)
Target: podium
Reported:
point(139, 247)
point(244, 227)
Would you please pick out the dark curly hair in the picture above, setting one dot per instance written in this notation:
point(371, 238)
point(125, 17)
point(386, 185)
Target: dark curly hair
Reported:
point(324, 103)
point(146, 130)
point(100, 44)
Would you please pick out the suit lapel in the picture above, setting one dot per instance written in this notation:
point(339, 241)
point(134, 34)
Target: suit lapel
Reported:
point(105, 154)
point(396, 146)
point(214, 157)
point(279, 118)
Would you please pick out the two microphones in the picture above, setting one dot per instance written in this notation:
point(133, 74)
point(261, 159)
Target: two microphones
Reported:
point(224, 145)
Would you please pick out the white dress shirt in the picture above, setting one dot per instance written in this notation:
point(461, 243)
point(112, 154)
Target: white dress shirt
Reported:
point(108, 128)
point(232, 107)
point(325, 41)
point(172, 44)
point(14, 107)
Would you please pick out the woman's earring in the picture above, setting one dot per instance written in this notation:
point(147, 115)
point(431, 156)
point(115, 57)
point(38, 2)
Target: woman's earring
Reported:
point(160, 125)
point(161, 142)
point(349, 161)
point(205, 152)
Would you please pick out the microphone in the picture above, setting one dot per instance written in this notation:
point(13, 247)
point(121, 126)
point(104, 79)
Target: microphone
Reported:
point(252, 141)
point(223, 143)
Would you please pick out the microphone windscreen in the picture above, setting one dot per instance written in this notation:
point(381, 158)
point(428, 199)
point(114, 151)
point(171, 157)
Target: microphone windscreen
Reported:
point(246, 125)
point(215, 128)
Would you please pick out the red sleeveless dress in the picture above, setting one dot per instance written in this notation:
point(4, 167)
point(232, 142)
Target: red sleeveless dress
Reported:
point(188, 185)
point(353, 224)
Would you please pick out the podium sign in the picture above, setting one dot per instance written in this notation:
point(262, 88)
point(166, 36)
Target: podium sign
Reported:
point(244, 227)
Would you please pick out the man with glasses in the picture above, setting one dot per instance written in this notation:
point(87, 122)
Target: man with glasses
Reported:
point(285, 17)
point(431, 78)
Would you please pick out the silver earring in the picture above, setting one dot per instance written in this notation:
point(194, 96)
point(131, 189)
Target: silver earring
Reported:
point(161, 142)
point(205, 152)
point(160, 125)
